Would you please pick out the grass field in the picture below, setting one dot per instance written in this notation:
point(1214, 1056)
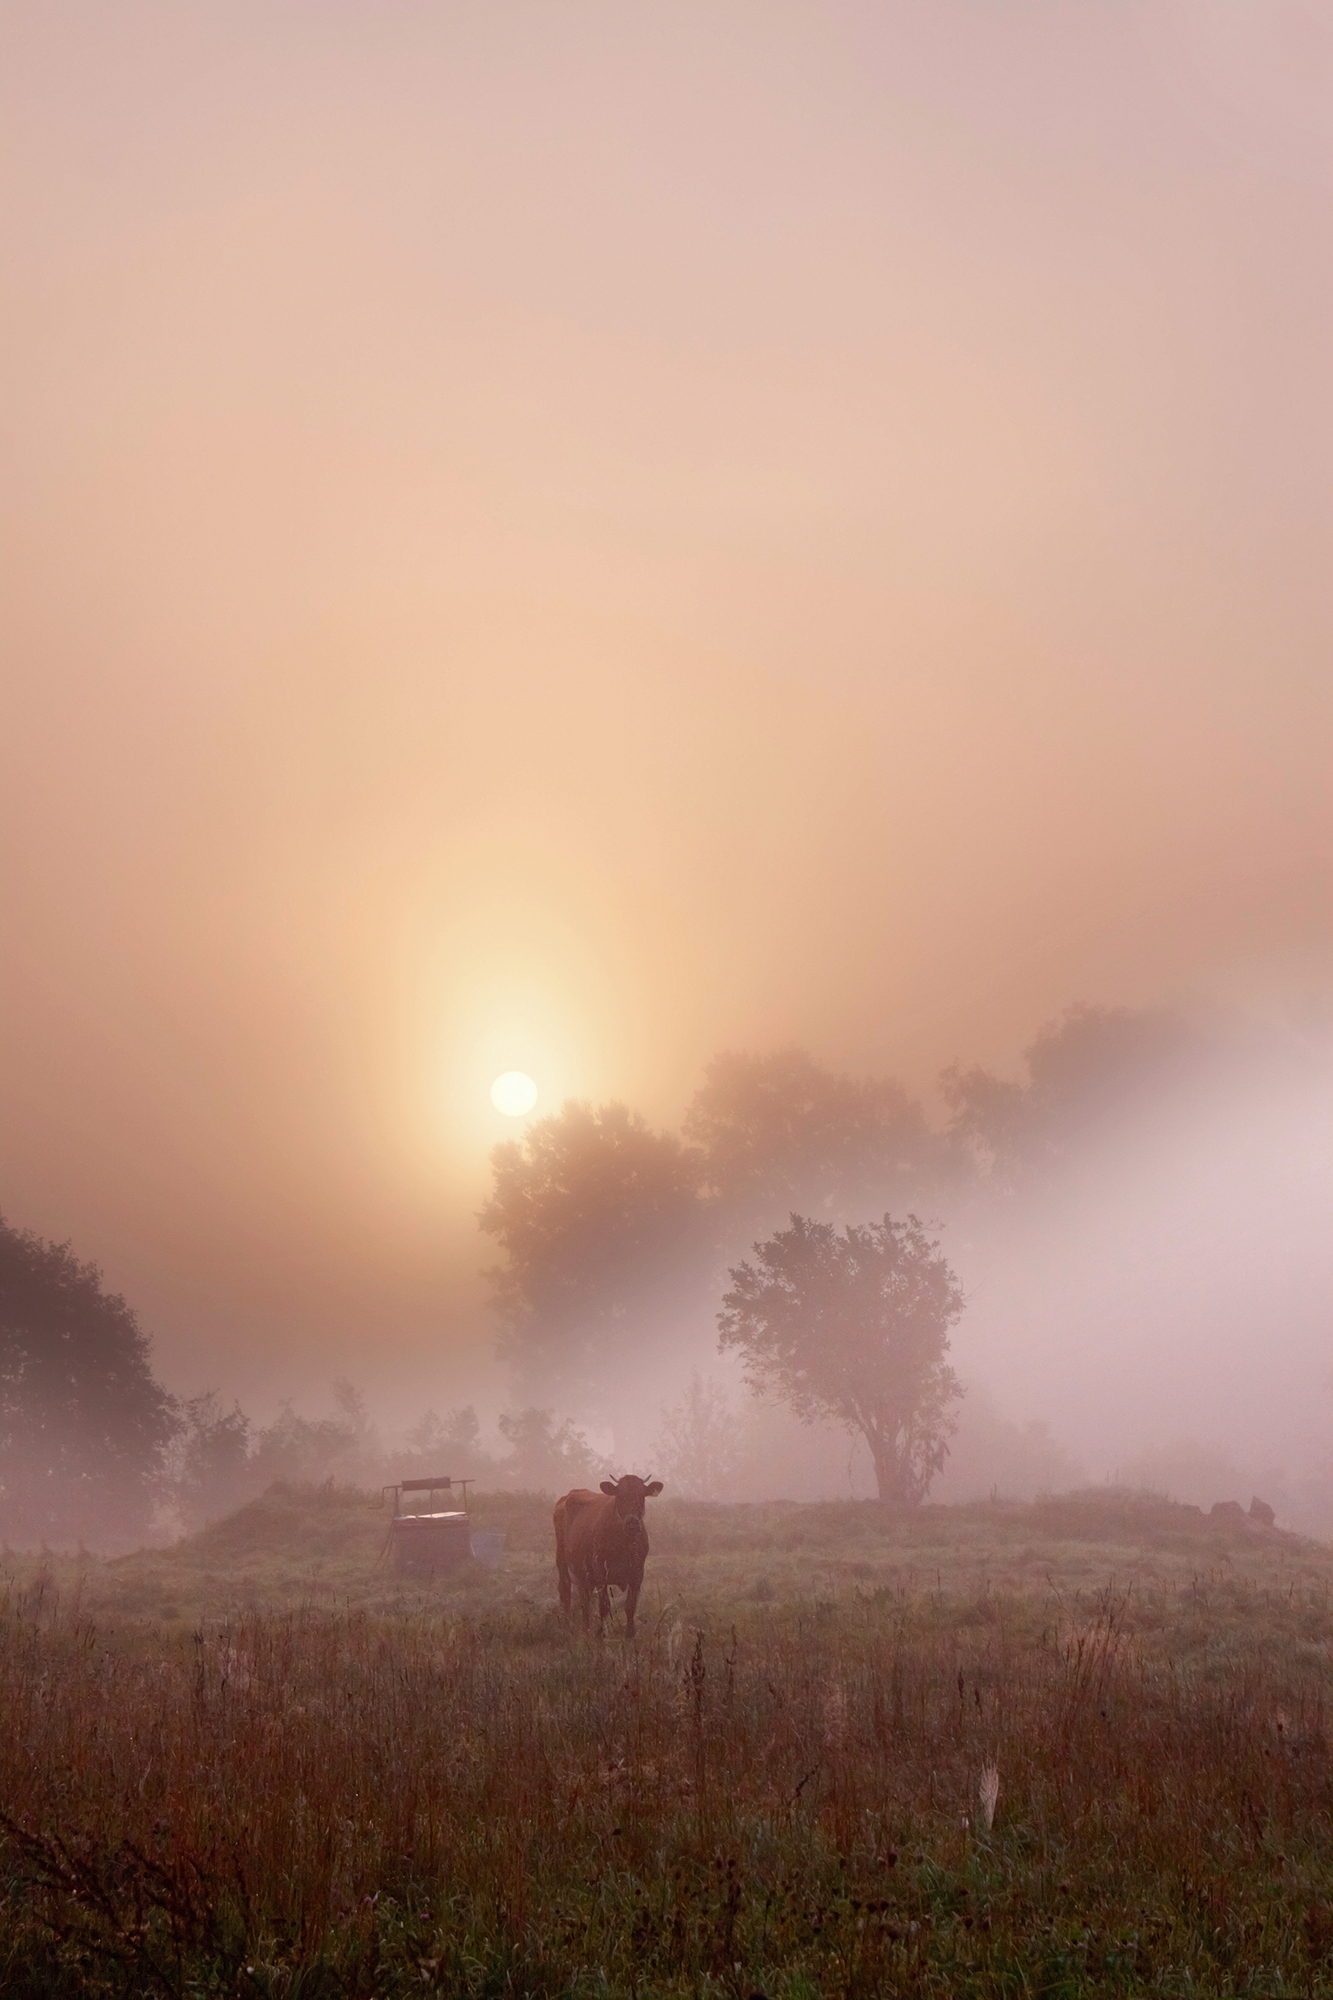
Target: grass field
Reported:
point(1076, 1748)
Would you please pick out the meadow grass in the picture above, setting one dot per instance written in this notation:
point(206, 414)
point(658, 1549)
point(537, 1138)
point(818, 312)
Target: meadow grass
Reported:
point(1064, 1750)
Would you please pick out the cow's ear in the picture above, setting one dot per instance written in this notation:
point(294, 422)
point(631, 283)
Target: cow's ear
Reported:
point(608, 1486)
point(653, 1488)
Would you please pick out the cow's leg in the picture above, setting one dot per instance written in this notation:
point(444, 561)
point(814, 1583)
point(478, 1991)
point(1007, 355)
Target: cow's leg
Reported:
point(631, 1603)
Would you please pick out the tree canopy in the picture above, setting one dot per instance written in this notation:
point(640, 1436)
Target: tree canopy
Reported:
point(599, 1220)
point(617, 1238)
point(83, 1422)
point(1087, 1073)
point(779, 1131)
point(545, 1457)
point(853, 1325)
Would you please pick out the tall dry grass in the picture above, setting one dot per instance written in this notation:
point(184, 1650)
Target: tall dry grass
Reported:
point(779, 1798)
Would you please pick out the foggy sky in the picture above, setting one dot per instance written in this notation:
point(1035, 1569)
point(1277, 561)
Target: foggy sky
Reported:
point(574, 538)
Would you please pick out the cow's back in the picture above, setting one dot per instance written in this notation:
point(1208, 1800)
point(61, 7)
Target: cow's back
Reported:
point(576, 1515)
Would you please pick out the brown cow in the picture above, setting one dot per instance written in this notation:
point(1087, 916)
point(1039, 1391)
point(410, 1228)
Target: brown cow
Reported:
point(601, 1544)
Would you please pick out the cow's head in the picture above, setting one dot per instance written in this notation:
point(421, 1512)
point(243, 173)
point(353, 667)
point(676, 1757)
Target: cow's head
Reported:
point(629, 1494)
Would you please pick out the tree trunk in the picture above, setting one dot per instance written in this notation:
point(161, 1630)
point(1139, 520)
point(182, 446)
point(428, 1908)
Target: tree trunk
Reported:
point(888, 1477)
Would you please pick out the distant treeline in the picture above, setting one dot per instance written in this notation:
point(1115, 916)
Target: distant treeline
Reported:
point(97, 1452)
point(617, 1238)
point(217, 1459)
point(618, 1245)
point(94, 1450)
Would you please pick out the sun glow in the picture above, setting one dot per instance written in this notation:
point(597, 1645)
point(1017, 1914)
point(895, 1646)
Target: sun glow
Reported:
point(514, 1093)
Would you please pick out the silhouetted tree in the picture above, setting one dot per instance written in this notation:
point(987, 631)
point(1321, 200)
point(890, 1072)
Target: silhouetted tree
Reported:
point(208, 1461)
point(307, 1450)
point(543, 1458)
point(1087, 1072)
point(443, 1444)
point(853, 1326)
point(698, 1445)
point(779, 1132)
point(83, 1422)
point(599, 1219)
point(434, 1436)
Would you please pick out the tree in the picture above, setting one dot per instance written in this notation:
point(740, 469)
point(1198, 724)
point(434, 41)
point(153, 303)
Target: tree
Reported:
point(697, 1448)
point(83, 1422)
point(778, 1131)
point(435, 1437)
point(1088, 1073)
point(853, 1326)
point(443, 1444)
point(208, 1460)
point(599, 1219)
point(302, 1451)
point(544, 1458)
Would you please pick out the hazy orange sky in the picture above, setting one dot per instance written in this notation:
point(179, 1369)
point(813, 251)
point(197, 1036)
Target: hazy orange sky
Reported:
point(572, 538)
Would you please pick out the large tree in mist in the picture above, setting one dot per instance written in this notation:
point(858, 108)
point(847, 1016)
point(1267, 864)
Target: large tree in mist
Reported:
point(777, 1132)
point(852, 1326)
point(83, 1422)
point(617, 1238)
point(1090, 1074)
point(599, 1219)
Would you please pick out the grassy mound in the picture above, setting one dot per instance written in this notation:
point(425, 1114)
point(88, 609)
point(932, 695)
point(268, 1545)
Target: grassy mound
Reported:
point(294, 1547)
point(326, 1547)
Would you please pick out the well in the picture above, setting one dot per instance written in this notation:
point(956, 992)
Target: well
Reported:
point(424, 1539)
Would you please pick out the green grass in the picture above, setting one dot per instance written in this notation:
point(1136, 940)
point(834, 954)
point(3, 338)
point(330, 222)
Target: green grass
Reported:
point(260, 1763)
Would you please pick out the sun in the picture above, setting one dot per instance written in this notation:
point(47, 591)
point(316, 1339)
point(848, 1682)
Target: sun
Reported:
point(514, 1093)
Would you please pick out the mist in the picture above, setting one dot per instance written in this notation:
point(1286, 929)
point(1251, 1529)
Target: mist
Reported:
point(1148, 1271)
point(1178, 1284)
point(576, 544)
